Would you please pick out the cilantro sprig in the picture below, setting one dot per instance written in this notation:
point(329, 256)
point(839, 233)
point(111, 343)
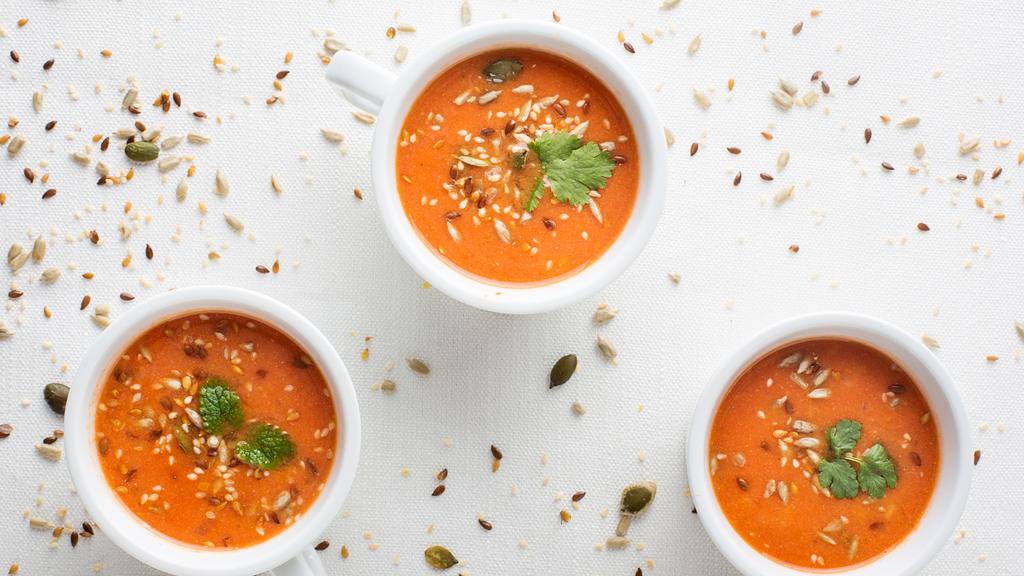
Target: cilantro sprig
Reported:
point(219, 407)
point(265, 447)
point(874, 469)
point(573, 168)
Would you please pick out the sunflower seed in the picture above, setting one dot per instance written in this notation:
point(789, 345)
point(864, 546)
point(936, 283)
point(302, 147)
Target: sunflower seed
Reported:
point(783, 195)
point(388, 385)
point(39, 249)
point(783, 492)
point(129, 98)
point(820, 378)
point(788, 85)
point(669, 138)
point(769, 488)
point(803, 427)
point(909, 122)
point(453, 232)
point(332, 134)
point(807, 442)
point(102, 168)
point(40, 524)
point(930, 340)
point(979, 175)
point(820, 393)
point(418, 366)
point(615, 542)
point(15, 250)
point(1019, 326)
point(606, 314)
point(151, 133)
point(595, 210)
point(37, 100)
point(221, 187)
point(502, 231)
point(125, 133)
point(50, 275)
point(170, 142)
point(198, 138)
point(580, 129)
point(401, 53)
point(783, 160)
point(668, 4)
point(182, 190)
point(694, 44)
point(234, 222)
point(467, 12)
point(49, 451)
point(701, 98)
point(332, 44)
point(623, 525)
point(15, 146)
point(473, 161)
point(523, 89)
point(781, 99)
point(608, 349)
point(796, 379)
point(579, 408)
point(168, 163)
point(810, 98)
point(364, 117)
point(276, 184)
point(81, 158)
point(791, 360)
point(969, 143)
point(101, 320)
point(825, 538)
point(19, 261)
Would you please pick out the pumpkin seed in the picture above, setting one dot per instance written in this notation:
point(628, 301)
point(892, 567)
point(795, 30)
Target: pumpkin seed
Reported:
point(488, 97)
point(332, 134)
point(702, 98)
point(221, 187)
point(781, 99)
point(694, 44)
point(418, 366)
point(636, 498)
point(783, 160)
point(49, 451)
point(608, 349)
point(615, 542)
point(56, 396)
point(562, 370)
point(503, 70)
point(788, 85)
point(579, 408)
point(388, 385)
point(16, 144)
point(623, 525)
point(50, 275)
point(142, 151)
point(517, 161)
point(182, 190)
point(234, 222)
point(439, 557)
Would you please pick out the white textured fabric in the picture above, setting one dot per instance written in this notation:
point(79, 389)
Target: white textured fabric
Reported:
point(488, 384)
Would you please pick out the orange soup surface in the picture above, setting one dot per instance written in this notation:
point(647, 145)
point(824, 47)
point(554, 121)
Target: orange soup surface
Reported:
point(773, 458)
point(489, 203)
point(216, 430)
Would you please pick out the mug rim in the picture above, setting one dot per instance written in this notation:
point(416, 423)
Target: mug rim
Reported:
point(954, 477)
point(623, 84)
point(129, 532)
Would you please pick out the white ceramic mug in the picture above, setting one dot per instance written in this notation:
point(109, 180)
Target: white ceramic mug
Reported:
point(286, 554)
point(947, 408)
point(372, 88)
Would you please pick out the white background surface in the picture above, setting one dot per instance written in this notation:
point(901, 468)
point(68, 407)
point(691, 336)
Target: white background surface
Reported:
point(489, 372)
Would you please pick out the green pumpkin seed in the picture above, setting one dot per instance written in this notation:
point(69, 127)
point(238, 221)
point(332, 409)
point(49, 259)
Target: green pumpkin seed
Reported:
point(183, 438)
point(142, 151)
point(563, 370)
point(517, 161)
point(439, 557)
point(503, 70)
point(637, 497)
point(56, 396)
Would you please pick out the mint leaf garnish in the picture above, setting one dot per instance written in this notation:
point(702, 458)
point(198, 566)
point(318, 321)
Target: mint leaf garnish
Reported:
point(219, 407)
point(839, 477)
point(265, 447)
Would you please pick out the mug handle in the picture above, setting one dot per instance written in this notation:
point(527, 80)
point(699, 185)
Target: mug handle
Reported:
point(364, 83)
point(307, 563)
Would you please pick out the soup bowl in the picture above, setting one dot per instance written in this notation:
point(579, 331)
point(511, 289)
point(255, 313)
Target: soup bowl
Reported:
point(373, 88)
point(946, 407)
point(286, 554)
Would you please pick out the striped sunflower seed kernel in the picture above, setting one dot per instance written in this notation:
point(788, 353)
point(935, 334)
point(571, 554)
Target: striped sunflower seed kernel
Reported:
point(401, 53)
point(364, 117)
point(50, 275)
point(16, 144)
point(810, 98)
point(669, 138)
point(129, 98)
point(182, 191)
point(221, 187)
point(198, 138)
point(170, 142)
point(150, 134)
point(909, 122)
point(234, 222)
point(332, 44)
point(37, 100)
point(783, 160)
point(788, 85)
point(49, 451)
point(418, 366)
point(332, 134)
point(781, 99)
point(467, 12)
point(969, 143)
point(702, 98)
point(608, 349)
point(919, 149)
point(694, 44)
point(81, 158)
point(276, 184)
point(783, 195)
point(39, 249)
point(168, 163)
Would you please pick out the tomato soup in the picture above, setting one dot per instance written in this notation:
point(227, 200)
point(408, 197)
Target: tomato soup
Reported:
point(517, 167)
point(216, 430)
point(824, 454)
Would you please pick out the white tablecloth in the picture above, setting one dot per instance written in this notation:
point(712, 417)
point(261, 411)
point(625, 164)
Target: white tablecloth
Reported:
point(488, 384)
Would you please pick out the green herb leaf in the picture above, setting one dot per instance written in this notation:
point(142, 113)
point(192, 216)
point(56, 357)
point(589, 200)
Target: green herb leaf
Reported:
point(584, 170)
point(535, 195)
point(843, 437)
point(552, 146)
point(219, 406)
point(839, 477)
point(265, 447)
point(876, 471)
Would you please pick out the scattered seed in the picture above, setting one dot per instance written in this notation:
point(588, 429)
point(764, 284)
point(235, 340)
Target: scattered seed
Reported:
point(887, 166)
point(418, 366)
point(694, 45)
point(767, 136)
point(15, 56)
point(579, 408)
point(615, 542)
point(15, 146)
point(853, 80)
point(221, 187)
point(736, 180)
point(562, 370)
point(48, 64)
point(127, 296)
point(765, 176)
point(693, 149)
point(439, 557)
point(733, 150)
point(923, 227)
point(798, 28)
point(234, 222)
point(742, 484)
point(322, 546)
point(628, 47)
point(909, 122)
point(636, 498)
point(794, 248)
point(262, 269)
point(496, 452)
point(438, 491)
point(782, 99)
point(867, 135)
point(49, 451)
point(401, 53)
point(977, 456)
point(996, 173)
